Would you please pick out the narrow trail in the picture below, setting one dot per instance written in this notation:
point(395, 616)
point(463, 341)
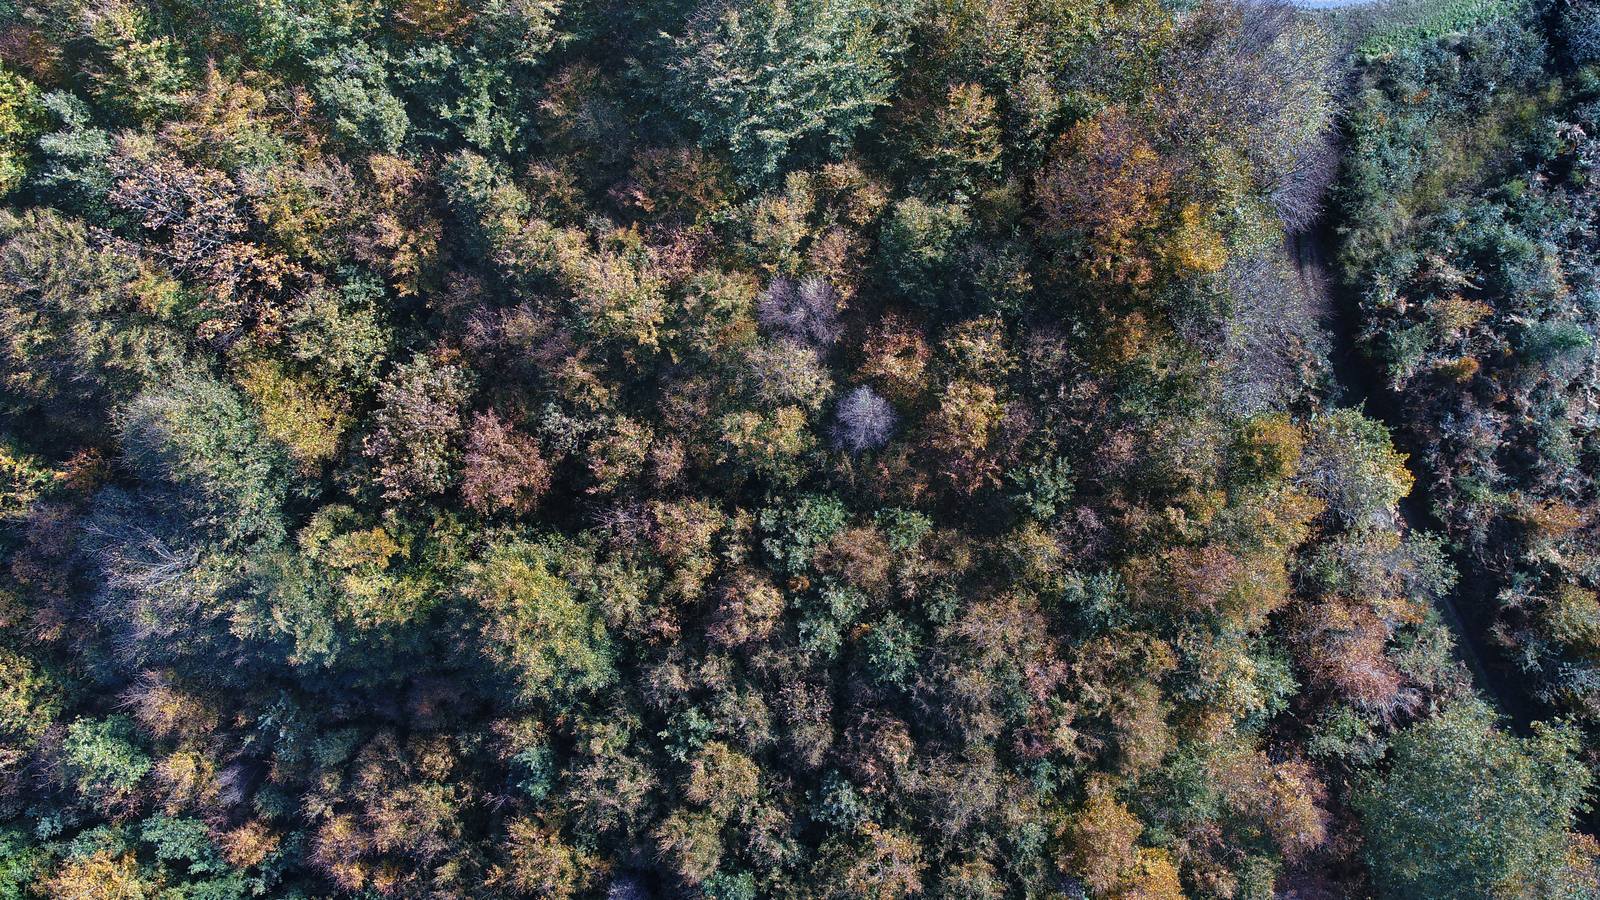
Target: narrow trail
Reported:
point(1359, 386)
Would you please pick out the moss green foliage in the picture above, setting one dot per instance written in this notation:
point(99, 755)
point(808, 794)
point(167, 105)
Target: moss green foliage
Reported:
point(100, 759)
point(794, 449)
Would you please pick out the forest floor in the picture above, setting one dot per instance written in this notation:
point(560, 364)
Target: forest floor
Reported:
point(1358, 385)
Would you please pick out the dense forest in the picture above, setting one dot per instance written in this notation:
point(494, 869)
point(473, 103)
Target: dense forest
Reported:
point(734, 449)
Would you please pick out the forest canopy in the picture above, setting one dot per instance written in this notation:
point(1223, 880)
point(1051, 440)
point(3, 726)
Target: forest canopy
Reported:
point(734, 449)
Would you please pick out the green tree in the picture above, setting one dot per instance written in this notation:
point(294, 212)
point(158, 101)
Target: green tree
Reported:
point(81, 320)
point(30, 700)
point(537, 626)
point(781, 81)
point(74, 168)
point(1467, 810)
point(198, 436)
point(139, 70)
point(1351, 463)
point(20, 862)
point(921, 250)
point(354, 94)
point(101, 759)
point(22, 118)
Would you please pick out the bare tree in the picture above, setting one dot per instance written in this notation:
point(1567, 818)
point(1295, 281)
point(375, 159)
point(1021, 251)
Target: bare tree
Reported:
point(418, 427)
point(787, 371)
point(806, 310)
point(1259, 76)
point(1302, 187)
point(1272, 340)
point(156, 595)
point(626, 886)
point(504, 468)
point(863, 421)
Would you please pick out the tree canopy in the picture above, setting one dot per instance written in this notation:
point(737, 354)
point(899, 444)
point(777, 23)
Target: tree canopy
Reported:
point(795, 449)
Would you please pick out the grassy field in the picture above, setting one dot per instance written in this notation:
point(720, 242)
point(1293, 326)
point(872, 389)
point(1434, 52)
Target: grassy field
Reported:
point(1379, 28)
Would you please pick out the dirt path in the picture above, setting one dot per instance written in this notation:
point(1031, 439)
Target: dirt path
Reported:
point(1359, 386)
